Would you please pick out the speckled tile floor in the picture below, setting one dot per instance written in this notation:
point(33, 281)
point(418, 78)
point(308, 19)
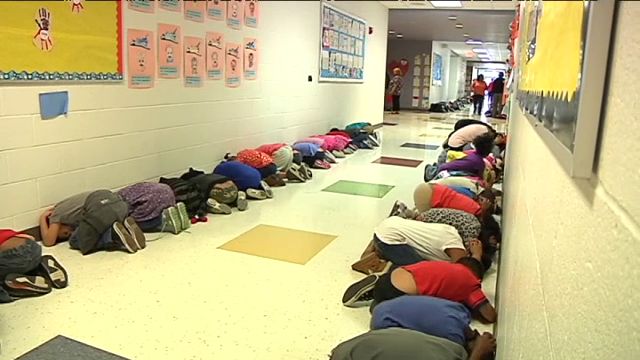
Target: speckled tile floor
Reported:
point(183, 298)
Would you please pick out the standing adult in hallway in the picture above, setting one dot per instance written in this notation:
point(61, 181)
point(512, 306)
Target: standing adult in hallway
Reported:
point(496, 96)
point(395, 89)
point(478, 87)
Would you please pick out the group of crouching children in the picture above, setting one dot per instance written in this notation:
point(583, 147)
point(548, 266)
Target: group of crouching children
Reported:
point(103, 220)
point(425, 263)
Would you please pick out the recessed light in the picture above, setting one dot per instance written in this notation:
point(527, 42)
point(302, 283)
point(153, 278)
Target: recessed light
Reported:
point(446, 4)
point(391, 32)
point(473, 42)
point(479, 51)
point(489, 43)
point(452, 17)
point(466, 35)
point(459, 26)
point(399, 36)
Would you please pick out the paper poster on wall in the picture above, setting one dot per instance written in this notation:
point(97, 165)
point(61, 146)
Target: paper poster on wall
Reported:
point(141, 58)
point(233, 65)
point(146, 6)
point(61, 40)
point(170, 5)
point(342, 47)
point(234, 14)
point(251, 13)
point(194, 10)
point(216, 9)
point(251, 54)
point(169, 51)
point(194, 58)
point(215, 55)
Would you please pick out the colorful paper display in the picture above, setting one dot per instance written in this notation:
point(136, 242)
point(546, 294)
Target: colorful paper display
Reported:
point(251, 13)
point(170, 5)
point(215, 55)
point(250, 58)
point(169, 51)
point(216, 9)
point(235, 10)
point(141, 58)
point(194, 58)
point(60, 40)
point(233, 64)
point(342, 49)
point(146, 6)
point(194, 10)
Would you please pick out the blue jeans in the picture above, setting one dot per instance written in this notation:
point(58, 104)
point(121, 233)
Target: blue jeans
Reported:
point(106, 241)
point(19, 260)
point(151, 225)
point(401, 254)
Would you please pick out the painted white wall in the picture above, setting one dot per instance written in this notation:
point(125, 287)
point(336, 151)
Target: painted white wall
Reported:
point(570, 262)
point(115, 136)
point(454, 76)
point(440, 93)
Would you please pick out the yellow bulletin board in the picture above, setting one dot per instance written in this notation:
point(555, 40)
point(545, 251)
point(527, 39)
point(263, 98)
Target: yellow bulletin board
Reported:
point(73, 40)
point(562, 53)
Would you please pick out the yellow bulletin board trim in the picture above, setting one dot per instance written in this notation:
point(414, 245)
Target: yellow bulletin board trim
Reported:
point(61, 40)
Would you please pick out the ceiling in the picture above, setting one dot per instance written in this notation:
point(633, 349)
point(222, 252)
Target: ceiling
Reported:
point(466, 5)
point(484, 25)
point(497, 52)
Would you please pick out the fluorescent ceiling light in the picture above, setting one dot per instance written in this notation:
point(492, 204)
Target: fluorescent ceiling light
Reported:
point(400, 36)
point(446, 4)
point(489, 43)
point(473, 42)
point(466, 35)
point(459, 26)
point(452, 17)
point(479, 51)
point(391, 32)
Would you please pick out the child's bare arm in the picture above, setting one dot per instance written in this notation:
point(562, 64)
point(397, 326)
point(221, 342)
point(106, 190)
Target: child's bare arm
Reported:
point(48, 232)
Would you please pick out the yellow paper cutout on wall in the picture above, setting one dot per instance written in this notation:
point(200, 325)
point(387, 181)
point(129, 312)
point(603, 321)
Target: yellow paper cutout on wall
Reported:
point(557, 63)
point(84, 36)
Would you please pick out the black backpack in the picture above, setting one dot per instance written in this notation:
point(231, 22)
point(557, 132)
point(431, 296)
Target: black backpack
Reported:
point(187, 193)
point(204, 182)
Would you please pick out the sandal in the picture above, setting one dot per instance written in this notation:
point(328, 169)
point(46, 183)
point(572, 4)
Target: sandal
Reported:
point(53, 272)
point(26, 285)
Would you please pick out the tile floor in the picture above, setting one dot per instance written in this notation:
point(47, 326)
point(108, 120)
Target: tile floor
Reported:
point(184, 298)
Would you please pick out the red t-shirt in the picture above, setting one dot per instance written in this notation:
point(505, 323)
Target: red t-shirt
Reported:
point(255, 159)
point(449, 281)
point(270, 149)
point(444, 197)
point(6, 234)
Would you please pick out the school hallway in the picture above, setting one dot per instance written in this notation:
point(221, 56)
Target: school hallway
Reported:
point(184, 298)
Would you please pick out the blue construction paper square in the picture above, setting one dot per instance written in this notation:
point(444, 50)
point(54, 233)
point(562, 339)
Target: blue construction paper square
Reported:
point(54, 104)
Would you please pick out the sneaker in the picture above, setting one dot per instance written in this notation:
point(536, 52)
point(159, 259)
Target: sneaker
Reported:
point(304, 169)
point(125, 237)
point(256, 194)
point(242, 202)
point(373, 141)
point(26, 285)
point(339, 154)
point(183, 217)
point(398, 209)
point(218, 208)
point(321, 164)
point(329, 157)
point(347, 151)
point(171, 221)
point(136, 232)
point(267, 189)
point(353, 147)
point(355, 291)
point(294, 174)
point(53, 272)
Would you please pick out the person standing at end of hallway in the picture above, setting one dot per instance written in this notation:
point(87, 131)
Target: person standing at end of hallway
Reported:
point(395, 89)
point(496, 96)
point(478, 87)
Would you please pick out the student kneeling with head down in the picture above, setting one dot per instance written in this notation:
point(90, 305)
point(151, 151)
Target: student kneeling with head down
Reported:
point(24, 272)
point(92, 221)
point(459, 282)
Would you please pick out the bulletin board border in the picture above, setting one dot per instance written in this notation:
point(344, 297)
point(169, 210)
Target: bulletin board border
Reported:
point(36, 76)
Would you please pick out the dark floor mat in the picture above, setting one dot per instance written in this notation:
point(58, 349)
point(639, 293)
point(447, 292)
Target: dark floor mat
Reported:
point(420, 146)
point(61, 347)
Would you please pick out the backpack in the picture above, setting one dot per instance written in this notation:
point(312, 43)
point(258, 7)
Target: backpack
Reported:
point(187, 193)
point(204, 182)
point(437, 108)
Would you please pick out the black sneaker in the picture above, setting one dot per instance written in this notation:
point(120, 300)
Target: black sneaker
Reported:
point(357, 290)
point(136, 232)
point(124, 237)
point(26, 285)
point(53, 272)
